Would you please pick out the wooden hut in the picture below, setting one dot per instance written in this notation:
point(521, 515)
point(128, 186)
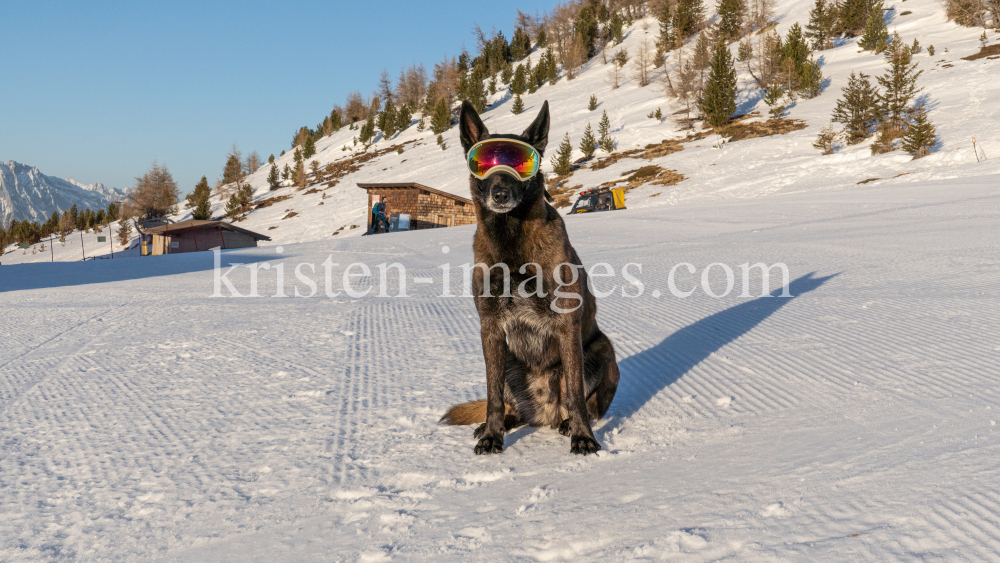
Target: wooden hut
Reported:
point(195, 236)
point(428, 208)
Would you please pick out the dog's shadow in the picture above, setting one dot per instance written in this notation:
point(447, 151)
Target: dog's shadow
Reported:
point(645, 374)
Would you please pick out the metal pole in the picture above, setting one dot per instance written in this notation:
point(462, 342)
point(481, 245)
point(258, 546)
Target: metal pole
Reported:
point(52, 252)
point(111, 243)
point(81, 245)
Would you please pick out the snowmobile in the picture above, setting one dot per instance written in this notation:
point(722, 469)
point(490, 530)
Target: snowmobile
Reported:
point(599, 199)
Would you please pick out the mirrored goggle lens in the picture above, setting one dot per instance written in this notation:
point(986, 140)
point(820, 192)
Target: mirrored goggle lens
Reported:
point(521, 158)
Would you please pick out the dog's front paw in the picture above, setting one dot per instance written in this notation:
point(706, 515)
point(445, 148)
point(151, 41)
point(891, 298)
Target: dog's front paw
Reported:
point(491, 445)
point(584, 445)
point(564, 428)
point(478, 433)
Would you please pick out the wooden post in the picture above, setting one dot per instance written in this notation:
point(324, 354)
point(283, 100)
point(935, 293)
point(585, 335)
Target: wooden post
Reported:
point(81, 245)
point(111, 243)
point(52, 252)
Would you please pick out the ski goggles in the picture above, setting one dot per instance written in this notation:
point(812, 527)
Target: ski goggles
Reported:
point(494, 155)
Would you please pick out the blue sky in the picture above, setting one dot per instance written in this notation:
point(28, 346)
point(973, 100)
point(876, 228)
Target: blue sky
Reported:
point(98, 90)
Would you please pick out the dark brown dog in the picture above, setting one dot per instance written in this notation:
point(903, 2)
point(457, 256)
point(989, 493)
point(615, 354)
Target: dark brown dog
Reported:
point(543, 366)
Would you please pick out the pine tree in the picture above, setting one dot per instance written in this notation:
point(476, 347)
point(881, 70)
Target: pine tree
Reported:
point(387, 120)
point(588, 144)
point(687, 19)
point(922, 136)
point(719, 98)
point(876, 33)
point(616, 29)
point(551, 67)
point(520, 44)
point(592, 105)
point(853, 16)
point(518, 83)
point(606, 143)
point(561, 163)
point(272, 177)
point(270, 159)
point(822, 24)
point(772, 97)
point(731, 13)
point(883, 140)
point(795, 47)
point(367, 132)
point(198, 200)
point(899, 86)
point(586, 29)
point(475, 90)
point(858, 108)
point(124, 232)
point(286, 173)
point(441, 120)
point(518, 106)
point(665, 38)
point(310, 148)
point(826, 139)
point(507, 73)
point(532, 77)
point(811, 79)
point(233, 171)
point(403, 117)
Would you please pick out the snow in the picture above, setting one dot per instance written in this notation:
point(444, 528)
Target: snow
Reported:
point(143, 419)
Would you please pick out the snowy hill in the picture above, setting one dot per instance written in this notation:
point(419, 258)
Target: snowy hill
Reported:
point(27, 194)
point(960, 96)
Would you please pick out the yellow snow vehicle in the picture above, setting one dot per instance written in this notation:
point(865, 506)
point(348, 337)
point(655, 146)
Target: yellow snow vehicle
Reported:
point(599, 199)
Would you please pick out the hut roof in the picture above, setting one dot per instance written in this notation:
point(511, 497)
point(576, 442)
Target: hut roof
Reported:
point(397, 185)
point(198, 224)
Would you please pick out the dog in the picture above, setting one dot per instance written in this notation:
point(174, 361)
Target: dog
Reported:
point(547, 362)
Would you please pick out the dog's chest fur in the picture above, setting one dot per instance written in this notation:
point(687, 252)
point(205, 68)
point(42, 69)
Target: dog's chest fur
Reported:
point(530, 329)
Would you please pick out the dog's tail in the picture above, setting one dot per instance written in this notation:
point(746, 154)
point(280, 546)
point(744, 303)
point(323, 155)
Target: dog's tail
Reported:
point(472, 412)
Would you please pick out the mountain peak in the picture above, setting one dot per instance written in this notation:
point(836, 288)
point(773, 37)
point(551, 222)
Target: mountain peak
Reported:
point(28, 194)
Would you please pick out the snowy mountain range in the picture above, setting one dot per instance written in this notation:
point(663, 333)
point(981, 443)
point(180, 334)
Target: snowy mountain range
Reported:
point(26, 193)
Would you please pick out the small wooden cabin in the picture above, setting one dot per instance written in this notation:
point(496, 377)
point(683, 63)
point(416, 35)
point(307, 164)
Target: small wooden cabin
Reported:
point(428, 208)
point(195, 236)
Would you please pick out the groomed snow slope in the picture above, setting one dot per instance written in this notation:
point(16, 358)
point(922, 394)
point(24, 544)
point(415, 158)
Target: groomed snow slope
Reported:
point(141, 419)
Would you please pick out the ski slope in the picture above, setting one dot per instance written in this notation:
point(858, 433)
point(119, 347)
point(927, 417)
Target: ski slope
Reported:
point(142, 419)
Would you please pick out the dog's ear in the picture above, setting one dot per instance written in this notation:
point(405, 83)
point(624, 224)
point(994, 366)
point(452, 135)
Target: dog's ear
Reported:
point(537, 133)
point(471, 128)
